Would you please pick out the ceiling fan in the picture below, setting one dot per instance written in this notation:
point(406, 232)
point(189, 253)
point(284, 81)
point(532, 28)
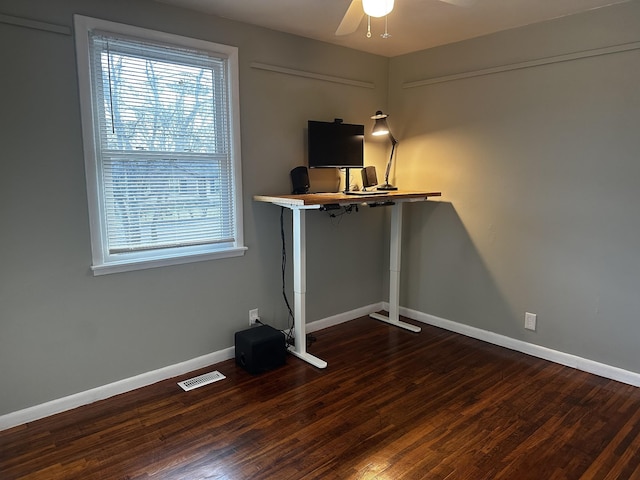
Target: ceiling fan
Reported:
point(376, 8)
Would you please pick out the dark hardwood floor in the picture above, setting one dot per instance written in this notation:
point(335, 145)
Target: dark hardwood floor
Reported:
point(391, 405)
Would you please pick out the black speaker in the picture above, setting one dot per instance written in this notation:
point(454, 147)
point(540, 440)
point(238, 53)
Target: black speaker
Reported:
point(259, 349)
point(300, 180)
point(369, 178)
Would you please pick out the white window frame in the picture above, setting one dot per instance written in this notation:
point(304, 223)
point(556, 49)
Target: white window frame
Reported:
point(103, 262)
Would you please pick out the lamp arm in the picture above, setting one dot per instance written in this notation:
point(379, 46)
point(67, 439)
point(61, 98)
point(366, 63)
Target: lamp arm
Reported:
point(394, 142)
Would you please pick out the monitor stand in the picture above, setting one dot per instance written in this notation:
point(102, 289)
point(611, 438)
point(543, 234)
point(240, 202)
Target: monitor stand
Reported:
point(347, 180)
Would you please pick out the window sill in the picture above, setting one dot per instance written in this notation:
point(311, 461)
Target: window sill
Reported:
point(118, 267)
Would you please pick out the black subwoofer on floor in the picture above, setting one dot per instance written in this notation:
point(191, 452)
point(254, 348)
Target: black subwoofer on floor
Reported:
point(259, 349)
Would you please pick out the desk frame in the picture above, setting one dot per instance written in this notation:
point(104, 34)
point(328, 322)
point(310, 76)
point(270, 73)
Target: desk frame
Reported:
point(299, 204)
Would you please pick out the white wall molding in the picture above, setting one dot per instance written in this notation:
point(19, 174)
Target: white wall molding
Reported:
point(312, 75)
point(34, 24)
point(532, 63)
point(128, 384)
point(569, 360)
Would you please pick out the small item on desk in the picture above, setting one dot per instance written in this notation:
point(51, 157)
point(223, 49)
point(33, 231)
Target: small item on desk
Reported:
point(365, 192)
point(300, 180)
point(369, 178)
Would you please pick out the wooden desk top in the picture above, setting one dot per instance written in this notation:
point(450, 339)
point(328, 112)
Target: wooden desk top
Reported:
point(342, 198)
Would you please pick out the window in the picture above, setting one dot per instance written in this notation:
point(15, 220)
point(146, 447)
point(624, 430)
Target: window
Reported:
point(160, 122)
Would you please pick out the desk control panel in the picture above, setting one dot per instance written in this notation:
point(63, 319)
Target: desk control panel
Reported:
point(381, 203)
point(330, 206)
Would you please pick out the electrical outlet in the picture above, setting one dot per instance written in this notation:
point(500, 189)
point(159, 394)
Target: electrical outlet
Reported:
point(253, 317)
point(530, 321)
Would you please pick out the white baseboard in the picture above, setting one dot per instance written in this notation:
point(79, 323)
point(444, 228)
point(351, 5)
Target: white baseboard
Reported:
point(344, 317)
point(100, 393)
point(116, 388)
point(569, 360)
point(122, 386)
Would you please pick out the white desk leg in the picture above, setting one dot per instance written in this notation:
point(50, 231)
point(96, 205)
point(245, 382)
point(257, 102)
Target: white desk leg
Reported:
point(394, 273)
point(299, 291)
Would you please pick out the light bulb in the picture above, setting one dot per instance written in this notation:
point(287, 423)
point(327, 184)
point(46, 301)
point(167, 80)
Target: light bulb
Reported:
point(377, 8)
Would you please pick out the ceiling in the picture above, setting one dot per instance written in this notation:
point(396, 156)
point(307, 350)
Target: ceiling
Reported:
point(413, 24)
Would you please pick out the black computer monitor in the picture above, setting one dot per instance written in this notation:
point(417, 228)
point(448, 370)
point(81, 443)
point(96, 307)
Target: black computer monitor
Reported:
point(335, 144)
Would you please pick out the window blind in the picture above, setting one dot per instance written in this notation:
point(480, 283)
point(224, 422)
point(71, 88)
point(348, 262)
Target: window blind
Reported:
point(163, 144)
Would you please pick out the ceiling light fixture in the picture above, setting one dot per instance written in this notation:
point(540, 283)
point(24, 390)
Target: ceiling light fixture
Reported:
point(377, 8)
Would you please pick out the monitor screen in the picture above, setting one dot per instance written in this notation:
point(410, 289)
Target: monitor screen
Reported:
point(335, 144)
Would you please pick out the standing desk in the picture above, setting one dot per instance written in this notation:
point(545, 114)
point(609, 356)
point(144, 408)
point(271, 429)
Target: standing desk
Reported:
point(299, 204)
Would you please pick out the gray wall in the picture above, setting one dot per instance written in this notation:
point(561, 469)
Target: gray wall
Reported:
point(540, 171)
point(62, 330)
point(538, 167)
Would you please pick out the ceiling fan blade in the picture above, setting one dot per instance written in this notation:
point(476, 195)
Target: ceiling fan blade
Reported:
point(460, 3)
point(351, 19)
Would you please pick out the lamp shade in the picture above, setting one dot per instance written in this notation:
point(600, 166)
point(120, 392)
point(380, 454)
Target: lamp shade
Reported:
point(377, 8)
point(380, 126)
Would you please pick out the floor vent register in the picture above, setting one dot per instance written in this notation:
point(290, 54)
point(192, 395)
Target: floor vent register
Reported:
point(201, 380)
